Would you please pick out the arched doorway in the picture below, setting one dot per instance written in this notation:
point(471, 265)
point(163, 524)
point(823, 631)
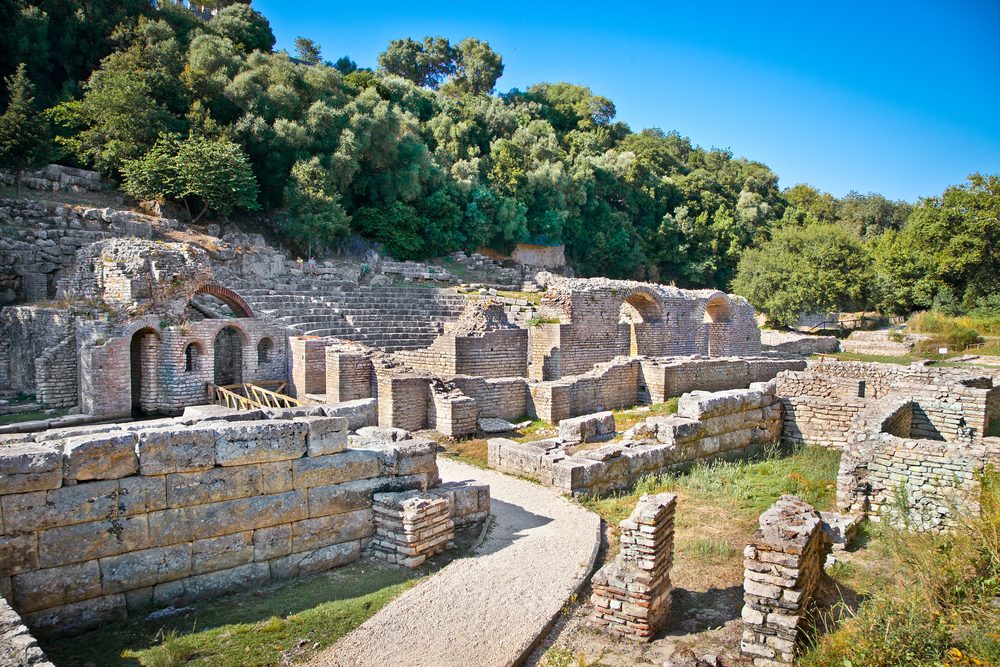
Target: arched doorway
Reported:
point(645, 318)
point(228, 357)
point(718, 313)
point(142, 367)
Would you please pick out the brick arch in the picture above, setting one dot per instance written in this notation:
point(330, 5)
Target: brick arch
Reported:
point(148, 322)
point(240, 307)
point(647, 303)
point(717, 309)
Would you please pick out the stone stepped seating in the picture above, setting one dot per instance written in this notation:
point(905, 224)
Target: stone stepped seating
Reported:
point(389, 318)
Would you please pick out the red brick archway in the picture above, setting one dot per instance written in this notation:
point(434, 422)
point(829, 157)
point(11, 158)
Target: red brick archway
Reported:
point(240, 307)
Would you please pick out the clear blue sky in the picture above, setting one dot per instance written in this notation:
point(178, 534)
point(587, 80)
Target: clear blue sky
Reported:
point(897, 98)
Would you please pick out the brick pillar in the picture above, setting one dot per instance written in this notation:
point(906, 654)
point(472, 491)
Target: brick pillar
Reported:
point(348, 376)
point(783, 562)
point(632, 593)
point(410, 526)
point(307, 361)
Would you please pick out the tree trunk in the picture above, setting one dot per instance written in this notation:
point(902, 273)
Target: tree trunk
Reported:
point(199, 215)
point(187, 206)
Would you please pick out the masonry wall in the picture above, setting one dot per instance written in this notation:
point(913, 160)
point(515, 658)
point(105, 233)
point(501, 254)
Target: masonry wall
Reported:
point(348, 375)
point(503, 398)
point(100, 525)
point(56, 382)
point(307, 366)
point(708, 426)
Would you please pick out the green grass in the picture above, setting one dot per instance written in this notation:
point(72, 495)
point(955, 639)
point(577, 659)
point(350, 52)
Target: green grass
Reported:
point(28, 417)
point(749, 486)
point(904, 360)
point(290, 622)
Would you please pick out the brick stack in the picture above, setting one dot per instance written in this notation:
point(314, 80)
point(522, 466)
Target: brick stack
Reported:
point(631, 594)
point(411, 526)
point(783, 563)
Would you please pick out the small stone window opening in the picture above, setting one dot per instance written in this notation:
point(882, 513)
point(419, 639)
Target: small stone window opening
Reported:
point(264, 348)
point(861, 388)
point(191, 358)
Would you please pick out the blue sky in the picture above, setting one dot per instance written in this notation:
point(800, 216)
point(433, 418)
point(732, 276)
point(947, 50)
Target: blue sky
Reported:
point(897, 98)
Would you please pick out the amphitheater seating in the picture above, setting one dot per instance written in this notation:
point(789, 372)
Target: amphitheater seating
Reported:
point(389, 318)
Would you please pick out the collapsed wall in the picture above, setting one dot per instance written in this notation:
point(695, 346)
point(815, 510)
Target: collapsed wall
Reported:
point(707, 426)
point(100, 522)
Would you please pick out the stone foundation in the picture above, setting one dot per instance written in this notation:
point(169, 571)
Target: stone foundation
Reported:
point(783, 562)
point(631, 594)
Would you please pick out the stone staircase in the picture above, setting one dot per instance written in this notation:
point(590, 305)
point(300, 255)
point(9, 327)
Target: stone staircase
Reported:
point(388, 318)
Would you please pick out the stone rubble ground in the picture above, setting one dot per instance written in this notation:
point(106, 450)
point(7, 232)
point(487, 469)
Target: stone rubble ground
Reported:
point(488, 609)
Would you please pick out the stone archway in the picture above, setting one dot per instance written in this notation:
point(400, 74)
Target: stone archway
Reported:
point(237, 303)
point(718, 315)
point(228, 351)
point(642, 313)
point(143, 348)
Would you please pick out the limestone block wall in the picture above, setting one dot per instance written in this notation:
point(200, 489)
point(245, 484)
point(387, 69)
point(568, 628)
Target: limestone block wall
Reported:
point(56, 382)
point(783, 562)
point(673, 376)
point(708, 426)
point(17, 647)
point(631, 594)
point(98, 525)
point(307, 366)
point(819, 421)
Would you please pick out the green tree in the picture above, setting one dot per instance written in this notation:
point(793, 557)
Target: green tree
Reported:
point(425, 64)
point(315, 215)
point(477, 68)
point(24, 137)
point(242, 25)
point(307, 51)
point(213, 171)
point(805, 270)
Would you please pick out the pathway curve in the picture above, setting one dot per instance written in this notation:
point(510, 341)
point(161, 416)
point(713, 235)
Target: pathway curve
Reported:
point(487, 610)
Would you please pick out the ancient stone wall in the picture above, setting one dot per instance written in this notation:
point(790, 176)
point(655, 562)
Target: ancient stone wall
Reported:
point(673, 376)
point(55, 177)
point(503, 398)
point(792, 342)
point(708, 426)
point(101, 524)
point(25, 334)
point(631, 594)
point(783, 562)
point(601, 319)
point(56, 382)
point(17, 647)
point(348, 374)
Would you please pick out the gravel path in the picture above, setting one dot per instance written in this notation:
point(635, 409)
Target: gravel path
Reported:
point(489, 609)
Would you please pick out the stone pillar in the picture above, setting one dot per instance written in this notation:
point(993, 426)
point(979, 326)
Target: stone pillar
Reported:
point(348, 376)
point(632, 593)
point(410, 526)
point(450, 412)
point(307, 361)
point(783, 562)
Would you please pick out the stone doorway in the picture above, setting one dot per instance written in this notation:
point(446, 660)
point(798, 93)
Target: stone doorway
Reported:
point(228, 357)
point(142, 367)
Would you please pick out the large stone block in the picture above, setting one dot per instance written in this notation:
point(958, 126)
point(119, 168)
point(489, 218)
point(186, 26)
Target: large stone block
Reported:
point(322, 531)
point(29, 467)
point(65, 506)
point(276, 476)
point(242, 443)
point(272, 542)
point(77, 617)
point(345, 497)
point(316, 561)
point(350, 465)
point(186, 524)
point(221, 553)
point(145, 568)
point(360, 413)
point(224, 483)
point(327, 435)
point(89, 541)
point(52, 587)
point(211, 585)
point(103, 456)
point(138, 495)
point(18, 553)
point(701, 405)
point(165, 450)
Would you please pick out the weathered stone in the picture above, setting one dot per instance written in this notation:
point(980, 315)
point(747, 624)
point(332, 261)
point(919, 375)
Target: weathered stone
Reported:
point(29, 467)
point(106, 456)
point(359, 413)
point(322, 531)
point(186, 524)
point(56, 586)
point(326, 435)
point(243, 443)
point(225, 483)
point(220, 553)
point(18, 553)
point(212, 584)
point(145, 568)
point(352, 464)
point(89, 541)
point(276, 476)
point(77, 617)
point(272, 542)
point(68, 505)
point(316, 561)
point(163, 451)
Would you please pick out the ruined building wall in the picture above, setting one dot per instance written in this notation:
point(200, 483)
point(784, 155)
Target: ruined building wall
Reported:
point(25, 334)
point(56, 382)
point(100, 525)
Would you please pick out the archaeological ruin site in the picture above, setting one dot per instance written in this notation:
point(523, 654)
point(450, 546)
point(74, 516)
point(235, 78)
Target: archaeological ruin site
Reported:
point(221, 419)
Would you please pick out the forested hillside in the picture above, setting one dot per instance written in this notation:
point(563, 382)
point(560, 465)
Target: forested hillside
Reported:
point(424, 156)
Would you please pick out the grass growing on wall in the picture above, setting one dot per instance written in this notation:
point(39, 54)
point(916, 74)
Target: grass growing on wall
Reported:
point(277, 625)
